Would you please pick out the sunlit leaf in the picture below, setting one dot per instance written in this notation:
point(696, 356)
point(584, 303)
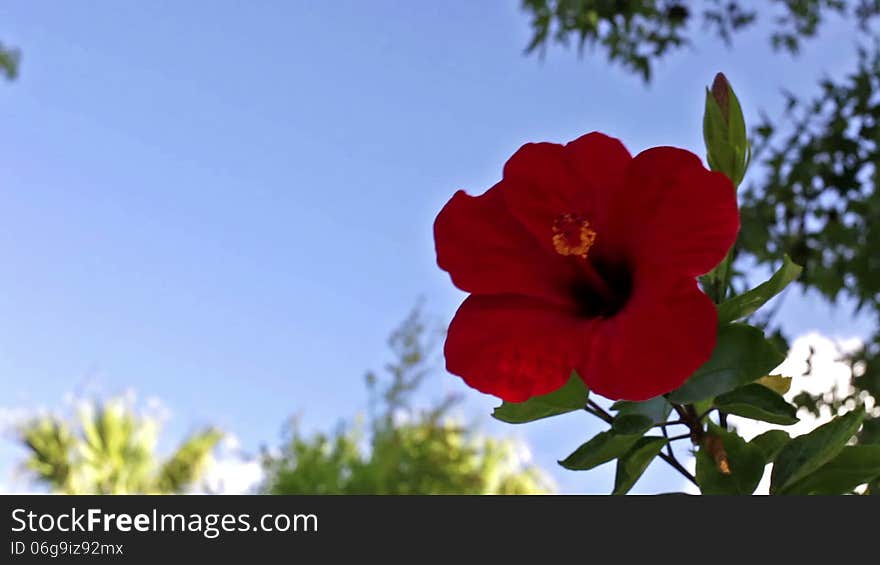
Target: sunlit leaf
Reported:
point(776, 383)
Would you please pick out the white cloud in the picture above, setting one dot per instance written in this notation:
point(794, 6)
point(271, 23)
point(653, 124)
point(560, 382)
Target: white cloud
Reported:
point(231, 471)
point(232, 475)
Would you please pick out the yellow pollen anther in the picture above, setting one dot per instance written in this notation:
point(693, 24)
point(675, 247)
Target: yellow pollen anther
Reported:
point(572, 235)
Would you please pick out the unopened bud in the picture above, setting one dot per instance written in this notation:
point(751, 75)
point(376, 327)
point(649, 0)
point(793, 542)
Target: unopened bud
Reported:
point(724, 131)
point(721, 94)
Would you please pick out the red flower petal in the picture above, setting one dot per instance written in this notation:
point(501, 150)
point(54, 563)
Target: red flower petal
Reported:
point(600, 163)
point(546, 180)
point(666, 331)
point(515, 347)
point(678, 216)
point(486, 251)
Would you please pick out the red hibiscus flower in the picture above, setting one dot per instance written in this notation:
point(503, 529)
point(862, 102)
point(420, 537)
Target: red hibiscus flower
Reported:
point(585, 258)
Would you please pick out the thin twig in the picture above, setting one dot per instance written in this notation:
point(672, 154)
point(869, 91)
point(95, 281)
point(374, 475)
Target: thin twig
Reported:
point(671, 423)
point(599, 411)
point(668, 444)
point(592, 408)
point(679, 409)
point(678, 467)
point(593, 412)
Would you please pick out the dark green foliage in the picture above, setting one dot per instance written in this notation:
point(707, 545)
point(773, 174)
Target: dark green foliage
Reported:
point(638, 34)
point(817, 199)
point(631, 33)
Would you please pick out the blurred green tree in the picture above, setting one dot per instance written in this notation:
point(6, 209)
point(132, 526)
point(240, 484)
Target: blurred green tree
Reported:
point(401, 449)
point(9, 59)
point(109, 449)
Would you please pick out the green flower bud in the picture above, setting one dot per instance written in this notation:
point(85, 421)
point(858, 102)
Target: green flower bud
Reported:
point(724, 131)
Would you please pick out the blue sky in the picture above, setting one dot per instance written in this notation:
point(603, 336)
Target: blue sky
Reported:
point(228, 205)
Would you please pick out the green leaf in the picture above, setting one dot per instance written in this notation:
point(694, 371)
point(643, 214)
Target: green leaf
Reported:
point(853, 466)
point(749, 302)
point(656, 408)
point(631, 466)
point(742, 355)
point(870, 431)
point(602, 448)
point(758, 403)
point(771, 443)
point(703, 406)
point(806, 453)
point(572, 396)
point(745, 463)
point(631, 424)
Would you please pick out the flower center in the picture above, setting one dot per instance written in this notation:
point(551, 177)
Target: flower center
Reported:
point(603, 284)
point(602, 289)
point(572, 235)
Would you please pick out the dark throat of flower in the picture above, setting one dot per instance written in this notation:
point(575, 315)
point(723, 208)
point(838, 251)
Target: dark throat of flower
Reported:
point(601, 289)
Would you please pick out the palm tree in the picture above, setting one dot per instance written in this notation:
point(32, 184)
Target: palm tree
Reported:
point(110, 449)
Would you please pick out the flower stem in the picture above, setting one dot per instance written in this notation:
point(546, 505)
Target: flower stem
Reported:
point(596, 410)
point(669, 423)
point(679, 467)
